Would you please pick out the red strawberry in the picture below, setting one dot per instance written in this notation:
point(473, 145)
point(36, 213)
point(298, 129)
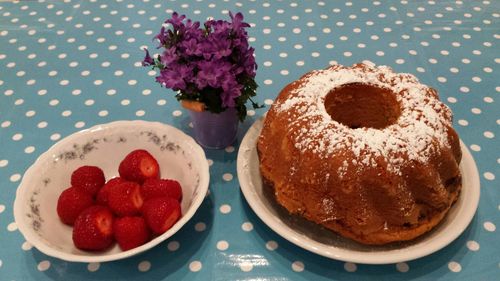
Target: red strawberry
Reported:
point(131, 232)
point(88, 178)
point(125, 199)
point(71, 203)
point(102, 195)
point(161, 213)
point(93, 229)
point(152, 188)
point(138, 166)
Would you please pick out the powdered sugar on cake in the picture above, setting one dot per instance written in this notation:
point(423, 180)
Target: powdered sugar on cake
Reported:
point(423, 118)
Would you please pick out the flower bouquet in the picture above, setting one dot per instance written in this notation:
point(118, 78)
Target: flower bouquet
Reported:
point(212, 69)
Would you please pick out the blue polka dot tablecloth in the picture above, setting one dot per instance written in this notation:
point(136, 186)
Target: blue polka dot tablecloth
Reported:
point(69, 65)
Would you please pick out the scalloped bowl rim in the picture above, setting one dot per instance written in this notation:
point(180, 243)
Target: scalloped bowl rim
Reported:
point(29, 175)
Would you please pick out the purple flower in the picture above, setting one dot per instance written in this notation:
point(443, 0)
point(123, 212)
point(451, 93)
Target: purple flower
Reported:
point(162, 37)
point(237, 22)
point(231, 90)
point(169, 56)
point(176, 20)
point(175, 77)
point(249, 62)
point(211, 73)
point(219, 45)
point(148, 60)
point(191, 47)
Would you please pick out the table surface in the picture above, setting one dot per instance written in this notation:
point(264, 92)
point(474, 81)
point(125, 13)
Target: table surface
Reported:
point(66, 66)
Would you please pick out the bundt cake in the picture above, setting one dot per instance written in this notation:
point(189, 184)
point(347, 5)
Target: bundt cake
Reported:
point(366, 152)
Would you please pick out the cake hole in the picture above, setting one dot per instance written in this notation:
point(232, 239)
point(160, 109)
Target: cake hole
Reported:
point(359, 105)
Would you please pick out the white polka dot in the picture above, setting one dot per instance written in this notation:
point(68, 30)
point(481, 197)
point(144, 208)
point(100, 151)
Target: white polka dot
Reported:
point(177, 113)
point(55, 136)
point(132, 82)
point(350, 267)
point(227, 176)
point(268, 63)
point(489, 226)
point(476, 79)
point(476, 110)
point(454, 70)
point(5, 124)
point(53, 102)
point(79, 124)
point(146, 92)
point(210, 162)
point(103, 113)
point(488, 99)
point(98, 82)
point(125, 102)
point(442, 79)
point(173, 246)
point(489, 176)
point(144, 266)
point(17, 137)
point(347, 54)
point(3, 163)
point(268, 81)
point(140, 113)
point(15, 177)
point(464, 89)
point(271, 245)
point(66, 113)
point(29, 149)
point(452, 100)
point(380, 53)
point(247, 226)
point(93, 266)
point(225, 209)
point(229, 149)
point(200, 226)
point(195, 266)
point(76, 92)
point(2, 208)
point(30, 113)
point(488, 134)
point(400, 61)
point(43, 265)
point(246, 266)
point(89, 102)
point(454, 266)
point(268, 101)
point(26, 246)
point(284, 72)
point(111, 92)
point(402, 267)
point(222, 245)
point(298, 266)
point(475, 147)
point(472, 245)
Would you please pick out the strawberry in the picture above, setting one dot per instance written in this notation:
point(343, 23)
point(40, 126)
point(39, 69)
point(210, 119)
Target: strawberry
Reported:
point(88, 178)
point(102, 195)
point(152, 188)
point(93, 229)
point(71, 203)
point(161, 213)
point(125, 199)
point(131, 232)
point(138, 166)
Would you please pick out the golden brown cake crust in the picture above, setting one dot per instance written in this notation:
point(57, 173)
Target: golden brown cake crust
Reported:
point(375, 176)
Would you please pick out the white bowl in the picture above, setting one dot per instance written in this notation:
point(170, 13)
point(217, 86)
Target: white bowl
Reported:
point(178, 155)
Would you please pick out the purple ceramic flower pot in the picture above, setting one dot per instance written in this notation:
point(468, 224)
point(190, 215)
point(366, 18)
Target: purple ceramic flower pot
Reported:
point(215, 130)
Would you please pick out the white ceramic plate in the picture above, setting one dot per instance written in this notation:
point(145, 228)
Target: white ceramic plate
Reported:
point(178, 155)
point(321, 241)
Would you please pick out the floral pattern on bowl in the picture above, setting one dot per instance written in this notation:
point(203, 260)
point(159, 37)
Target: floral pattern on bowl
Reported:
point(105, 146)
